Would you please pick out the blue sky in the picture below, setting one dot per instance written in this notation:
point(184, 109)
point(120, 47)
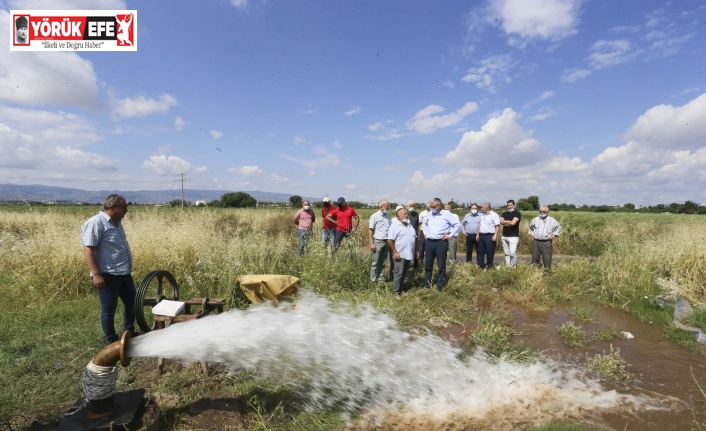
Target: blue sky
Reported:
point(585, 102)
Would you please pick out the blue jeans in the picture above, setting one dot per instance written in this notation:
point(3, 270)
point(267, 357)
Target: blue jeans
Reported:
point(435, 249)
point(328, 236)
point(117, 286)
point(304, 238)
point(486, 250)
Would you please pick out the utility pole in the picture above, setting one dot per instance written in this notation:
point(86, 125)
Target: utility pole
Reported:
point(182, 179)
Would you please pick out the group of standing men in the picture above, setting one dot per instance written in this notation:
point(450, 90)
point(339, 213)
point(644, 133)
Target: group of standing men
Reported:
point(431, 236)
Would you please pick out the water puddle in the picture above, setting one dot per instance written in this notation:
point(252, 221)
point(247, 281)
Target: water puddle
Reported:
point(358, 360)
point(660, 368)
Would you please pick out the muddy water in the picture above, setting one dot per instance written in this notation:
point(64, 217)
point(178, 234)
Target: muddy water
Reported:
point(658, 365)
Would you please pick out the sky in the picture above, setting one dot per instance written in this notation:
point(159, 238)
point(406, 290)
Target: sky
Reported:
point(583, 101)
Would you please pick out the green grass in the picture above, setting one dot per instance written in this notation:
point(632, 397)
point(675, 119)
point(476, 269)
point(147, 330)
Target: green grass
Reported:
point(50, 324)
point(610, 366)
point(572, 335)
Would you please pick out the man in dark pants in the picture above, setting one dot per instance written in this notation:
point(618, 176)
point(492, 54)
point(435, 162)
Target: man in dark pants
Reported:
point(487, 236)
point(470, 224)
point(438, 227)
point(107, 254)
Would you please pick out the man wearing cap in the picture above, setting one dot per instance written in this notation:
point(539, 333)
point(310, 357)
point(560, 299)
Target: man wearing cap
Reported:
point(304, 219)
point(439, 226)
point(378, 224)
point(328, 233)
point(346, 220)
point(401, 238)
point(21, 24)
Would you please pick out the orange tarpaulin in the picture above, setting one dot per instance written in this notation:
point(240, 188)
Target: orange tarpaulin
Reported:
point(267, 287)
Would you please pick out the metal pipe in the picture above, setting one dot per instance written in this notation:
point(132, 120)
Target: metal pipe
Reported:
point(114, 352)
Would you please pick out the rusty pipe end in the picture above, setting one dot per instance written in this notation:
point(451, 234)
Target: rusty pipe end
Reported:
point(114, 352)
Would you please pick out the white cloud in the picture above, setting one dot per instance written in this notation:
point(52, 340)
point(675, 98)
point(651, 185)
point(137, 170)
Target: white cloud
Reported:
point(240, 4)
point(356, 110)
point(337, 145)
point(278, 179)
point(491, 72)
point(524, 21)
point(73, 158)
point(246, 171)
point(216, 134)
point(29, 137)
point(666, 126)
point(142, 106)
point(322, 158)
point(350, 186)
point(375, 127)
point(180, 123)
point(449, 84)
point(606, 53)
point(511, 145)
point(45, 78)
point(424, 121)
point(170, 165)
point(544, 113)
point(298, 140)
point(572, 75)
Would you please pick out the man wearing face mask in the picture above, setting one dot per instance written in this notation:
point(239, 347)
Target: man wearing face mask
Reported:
point(421, 238)
point(487, 236)
point(439, 226)
point(346, 220)
point(328, 232)
point(470, 224)
point(510, 221)
point(304, 219)
point(542, 230)
point(414, 222)
point(378, 225)
point(401, 238)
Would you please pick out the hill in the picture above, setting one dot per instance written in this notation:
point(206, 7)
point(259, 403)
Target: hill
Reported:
point(37, 193)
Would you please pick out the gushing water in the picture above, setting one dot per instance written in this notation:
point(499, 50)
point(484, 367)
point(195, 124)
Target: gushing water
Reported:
point(358, 358)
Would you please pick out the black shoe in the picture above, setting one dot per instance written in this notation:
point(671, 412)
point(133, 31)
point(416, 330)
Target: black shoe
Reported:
point(438, 289)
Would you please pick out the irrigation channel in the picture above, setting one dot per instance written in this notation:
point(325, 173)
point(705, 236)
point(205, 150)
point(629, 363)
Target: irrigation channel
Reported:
point(357, 360)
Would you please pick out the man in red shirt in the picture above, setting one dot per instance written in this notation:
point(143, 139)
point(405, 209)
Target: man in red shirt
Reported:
point(346, 220)
point(328, 233)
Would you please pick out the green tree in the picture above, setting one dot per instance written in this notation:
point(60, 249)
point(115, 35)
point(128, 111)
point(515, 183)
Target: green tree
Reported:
point(689, 207)
point(530, 203)
point(629, 206)
point(237, 200)
point(296, 201)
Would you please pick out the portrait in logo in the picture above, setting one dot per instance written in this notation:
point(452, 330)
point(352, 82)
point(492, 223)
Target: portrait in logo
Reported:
point(21, 30)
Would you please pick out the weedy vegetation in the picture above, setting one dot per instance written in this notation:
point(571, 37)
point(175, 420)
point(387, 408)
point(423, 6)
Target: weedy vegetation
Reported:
point(49, 312)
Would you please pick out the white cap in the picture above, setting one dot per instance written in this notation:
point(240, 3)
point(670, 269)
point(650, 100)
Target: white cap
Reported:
point(326, 199)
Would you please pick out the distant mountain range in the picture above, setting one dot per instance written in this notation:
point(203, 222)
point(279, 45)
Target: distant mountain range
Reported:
point(35, 193)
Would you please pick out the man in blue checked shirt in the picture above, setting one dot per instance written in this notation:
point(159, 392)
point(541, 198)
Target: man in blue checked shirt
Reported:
point(107, 254)
point(439, 226)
